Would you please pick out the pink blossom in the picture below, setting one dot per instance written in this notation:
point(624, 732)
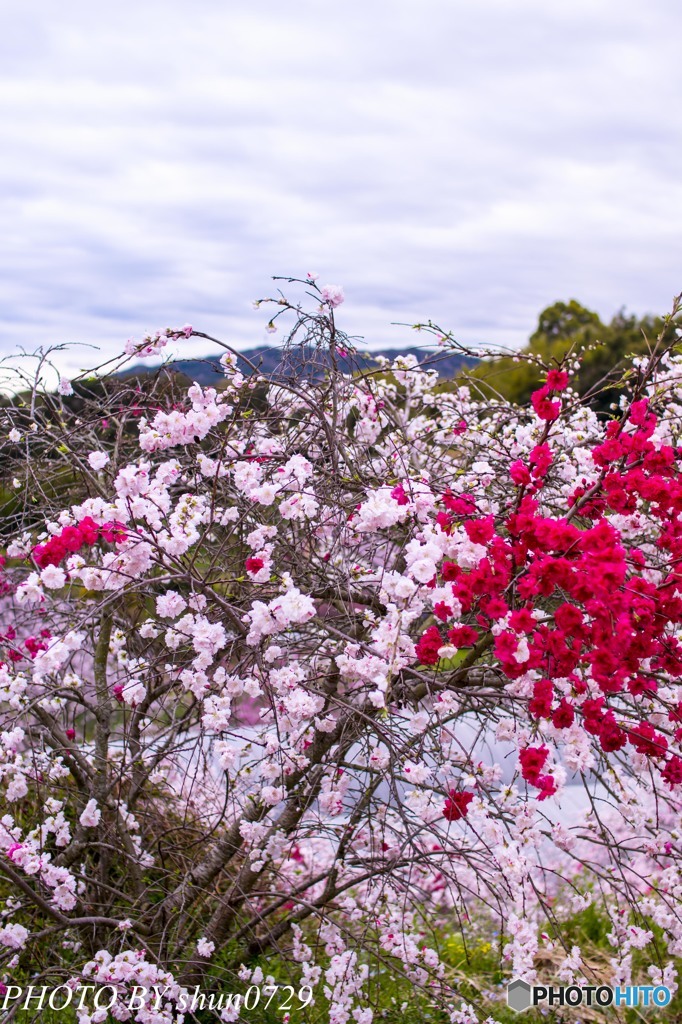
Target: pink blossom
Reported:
point(91, 815)
point(332, 294)
point(98, 460)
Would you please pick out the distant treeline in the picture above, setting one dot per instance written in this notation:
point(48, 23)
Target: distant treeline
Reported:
point(568, 327)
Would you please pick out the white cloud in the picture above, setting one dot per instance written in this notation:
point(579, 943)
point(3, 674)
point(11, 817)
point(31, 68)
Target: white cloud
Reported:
point(468, 163)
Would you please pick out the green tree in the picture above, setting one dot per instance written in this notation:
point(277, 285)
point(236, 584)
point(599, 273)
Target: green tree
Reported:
point(570, 328)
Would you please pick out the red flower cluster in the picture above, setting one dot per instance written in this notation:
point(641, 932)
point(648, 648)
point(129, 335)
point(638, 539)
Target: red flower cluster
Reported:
point(610, 622)
point(457, 805)
point(480, 531)
point(462, 636)
point(557, 380)
point(442, 611)
point(672, 773)
point(34, 646)
point(73, 538)
point(5, 585)
point(460, 504)
point(539, 459)
point(543, 694)
point(545, 409)
point(646, 740)
point(428, 645)
point(519, 473)
point(398, 494)
point(532, 761)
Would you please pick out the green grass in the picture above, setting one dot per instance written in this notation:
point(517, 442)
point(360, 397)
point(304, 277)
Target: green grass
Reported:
point(473, 968)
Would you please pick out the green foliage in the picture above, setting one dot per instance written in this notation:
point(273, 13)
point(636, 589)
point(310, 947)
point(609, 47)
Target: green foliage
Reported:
point(569, 328)
point(474, 967)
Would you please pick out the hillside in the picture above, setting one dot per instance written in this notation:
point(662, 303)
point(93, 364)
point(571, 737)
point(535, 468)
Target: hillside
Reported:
point(270, 359)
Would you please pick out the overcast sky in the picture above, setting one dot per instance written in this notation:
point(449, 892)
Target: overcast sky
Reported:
point(470, 162)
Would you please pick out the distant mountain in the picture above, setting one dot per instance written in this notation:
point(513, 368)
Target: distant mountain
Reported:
point(297, 361)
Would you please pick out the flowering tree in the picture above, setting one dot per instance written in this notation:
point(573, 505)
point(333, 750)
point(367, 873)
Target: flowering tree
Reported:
point(259, 639)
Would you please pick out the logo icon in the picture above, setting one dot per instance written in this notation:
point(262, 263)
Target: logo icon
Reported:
point(518, 995)
point(521, 996)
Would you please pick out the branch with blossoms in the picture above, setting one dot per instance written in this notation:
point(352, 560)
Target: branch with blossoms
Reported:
point(309, 666)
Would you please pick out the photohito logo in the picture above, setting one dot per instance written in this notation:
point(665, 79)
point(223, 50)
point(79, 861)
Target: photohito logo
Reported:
point(521, 996)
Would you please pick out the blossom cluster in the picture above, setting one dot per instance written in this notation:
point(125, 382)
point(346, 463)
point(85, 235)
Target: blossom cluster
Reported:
point(355, 644)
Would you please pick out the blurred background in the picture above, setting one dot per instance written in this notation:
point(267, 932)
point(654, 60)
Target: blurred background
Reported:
point(468, 163)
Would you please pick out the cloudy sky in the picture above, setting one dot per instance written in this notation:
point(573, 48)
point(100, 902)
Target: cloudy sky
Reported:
point(470, 162)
